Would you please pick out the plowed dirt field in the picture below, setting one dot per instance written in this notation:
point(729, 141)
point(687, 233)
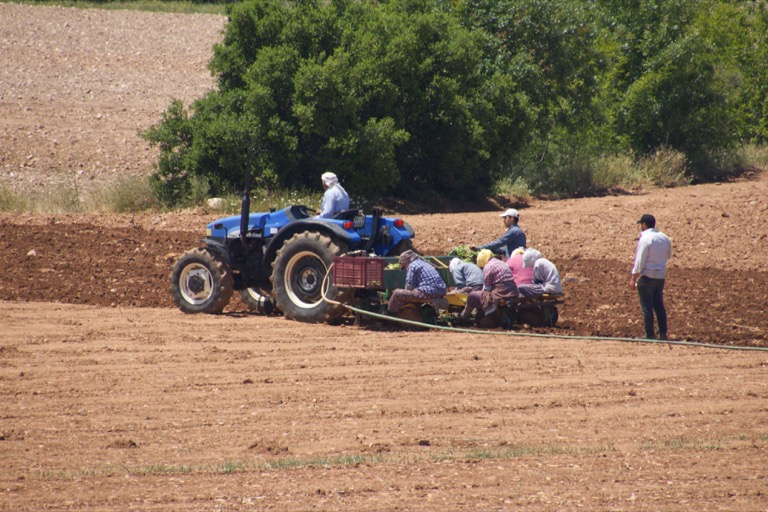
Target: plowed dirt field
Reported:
point(113, 400)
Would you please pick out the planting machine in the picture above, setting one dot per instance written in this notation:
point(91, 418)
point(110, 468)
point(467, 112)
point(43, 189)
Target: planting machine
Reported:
point(308, 268)
point(359, 276)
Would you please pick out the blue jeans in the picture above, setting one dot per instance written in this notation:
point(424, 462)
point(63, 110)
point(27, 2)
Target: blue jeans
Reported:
point(651, 292)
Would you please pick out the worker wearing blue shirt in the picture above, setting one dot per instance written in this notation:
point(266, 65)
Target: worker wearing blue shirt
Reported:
point(509, 241)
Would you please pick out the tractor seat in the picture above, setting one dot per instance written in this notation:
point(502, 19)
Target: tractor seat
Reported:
point(346, 214)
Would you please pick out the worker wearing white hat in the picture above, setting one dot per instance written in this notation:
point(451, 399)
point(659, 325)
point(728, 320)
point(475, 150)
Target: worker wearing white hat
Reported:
point(335, 199)
point(509, 241)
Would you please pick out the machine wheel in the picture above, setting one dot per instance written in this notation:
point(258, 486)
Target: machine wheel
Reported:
point(257, 300)
point(492, 321)
point(201, 282)
point(410, 312)
point(298, 271)
point(550, 315)
point(428, 314)
point(421, 313)
point(533, 317)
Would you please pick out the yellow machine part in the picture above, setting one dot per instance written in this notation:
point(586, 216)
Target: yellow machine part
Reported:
point(457, 299)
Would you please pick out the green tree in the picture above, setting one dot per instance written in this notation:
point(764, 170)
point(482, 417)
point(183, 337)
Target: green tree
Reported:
point(391, 96)
point(665, 85)
point(550, 50)
point(739, 33)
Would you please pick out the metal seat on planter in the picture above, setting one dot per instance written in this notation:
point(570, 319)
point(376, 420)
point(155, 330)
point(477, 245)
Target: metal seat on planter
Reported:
point(456, 299)
point(503, 303)
point(439, 304)
point(551, 297)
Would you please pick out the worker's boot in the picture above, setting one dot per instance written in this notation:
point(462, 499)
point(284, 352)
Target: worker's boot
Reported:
point(466, 314)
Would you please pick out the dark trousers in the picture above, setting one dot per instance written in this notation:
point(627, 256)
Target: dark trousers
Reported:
point(651, 292)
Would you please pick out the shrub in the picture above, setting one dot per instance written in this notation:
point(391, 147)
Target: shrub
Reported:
point(665, 168)
point(755, 156)
point(617, 171)
point(133, 194)
point(12, 202)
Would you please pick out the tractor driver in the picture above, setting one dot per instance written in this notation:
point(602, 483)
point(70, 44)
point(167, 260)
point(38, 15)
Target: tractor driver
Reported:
point(335, 199)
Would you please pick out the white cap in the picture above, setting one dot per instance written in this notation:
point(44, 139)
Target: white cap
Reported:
point(510, 213)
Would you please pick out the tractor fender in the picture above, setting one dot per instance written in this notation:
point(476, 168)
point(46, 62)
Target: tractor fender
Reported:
point(220, 249)
point(332, 230)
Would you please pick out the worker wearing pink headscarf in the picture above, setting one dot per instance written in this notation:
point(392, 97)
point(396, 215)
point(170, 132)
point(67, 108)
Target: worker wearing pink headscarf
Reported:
point(521, 274)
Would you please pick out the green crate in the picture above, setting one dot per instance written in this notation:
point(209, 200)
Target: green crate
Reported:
point(396, 278)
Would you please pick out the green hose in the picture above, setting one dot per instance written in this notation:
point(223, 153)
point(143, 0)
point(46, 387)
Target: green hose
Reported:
point(530, 334)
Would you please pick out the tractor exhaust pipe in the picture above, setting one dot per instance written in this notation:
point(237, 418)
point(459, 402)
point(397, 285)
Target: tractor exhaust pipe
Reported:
point(375, 228)
point(245, 208)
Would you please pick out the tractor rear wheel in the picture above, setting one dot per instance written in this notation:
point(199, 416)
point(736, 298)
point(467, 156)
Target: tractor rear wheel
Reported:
point(404, 245)
point(298, 271)
point(201, 282)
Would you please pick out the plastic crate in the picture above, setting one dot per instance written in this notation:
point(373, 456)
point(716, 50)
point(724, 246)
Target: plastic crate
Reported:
point(358, 272)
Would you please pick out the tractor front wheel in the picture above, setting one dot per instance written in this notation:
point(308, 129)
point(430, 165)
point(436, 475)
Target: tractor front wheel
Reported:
point(201, 282)
point(298, 272)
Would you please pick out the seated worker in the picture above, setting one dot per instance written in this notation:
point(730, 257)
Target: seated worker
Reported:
point(546, 278)
point(422, 281)
point(498, 283)
point(335, 199)
point(521, 274)
point(467, 276)
point(513, 238)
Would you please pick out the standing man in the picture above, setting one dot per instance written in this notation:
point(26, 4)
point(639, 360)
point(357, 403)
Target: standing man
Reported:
point(335, 199)
point(509, 241)
point(648, 274)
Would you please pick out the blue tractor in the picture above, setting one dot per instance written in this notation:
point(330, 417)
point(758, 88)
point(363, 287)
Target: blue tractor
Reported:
point(279, 260)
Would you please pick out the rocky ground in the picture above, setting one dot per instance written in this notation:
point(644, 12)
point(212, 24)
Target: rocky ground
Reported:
point(115, 400)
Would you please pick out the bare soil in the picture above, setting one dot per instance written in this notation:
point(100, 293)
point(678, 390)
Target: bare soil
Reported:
point(114, 400)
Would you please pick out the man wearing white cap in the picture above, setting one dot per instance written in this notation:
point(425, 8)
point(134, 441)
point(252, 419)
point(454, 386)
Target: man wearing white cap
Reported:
point(509, 241)
point(335, 199)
